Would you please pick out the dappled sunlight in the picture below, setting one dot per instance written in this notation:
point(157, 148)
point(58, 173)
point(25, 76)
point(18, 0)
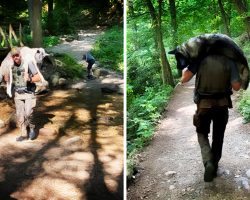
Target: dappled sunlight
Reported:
point(82, 115)
point(53, 188)
point(84, 152)
point(74, 170)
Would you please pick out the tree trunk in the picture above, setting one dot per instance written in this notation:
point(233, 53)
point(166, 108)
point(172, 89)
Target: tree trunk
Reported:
point(225, 18)
point(172, 10)
point(167, 77)
point(50, 17)
point(242, 8)
point(35, 12)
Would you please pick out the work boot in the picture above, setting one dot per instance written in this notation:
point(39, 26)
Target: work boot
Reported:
point(20, 138)
point(90, 77)
point(32, 134)
point(209, 171)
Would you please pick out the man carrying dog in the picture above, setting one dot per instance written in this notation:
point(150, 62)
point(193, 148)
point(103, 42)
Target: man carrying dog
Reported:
point(24, 73)
point(216, 76)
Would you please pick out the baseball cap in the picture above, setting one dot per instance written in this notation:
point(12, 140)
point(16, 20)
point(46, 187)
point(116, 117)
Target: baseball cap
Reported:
point(14, 51)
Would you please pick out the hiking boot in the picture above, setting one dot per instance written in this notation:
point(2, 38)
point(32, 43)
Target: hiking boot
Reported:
point(90, 77)
point(20, 138)
point(209, 171)
point(32, 134)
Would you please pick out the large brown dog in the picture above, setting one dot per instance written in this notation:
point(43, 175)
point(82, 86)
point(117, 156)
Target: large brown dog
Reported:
point(197, 48)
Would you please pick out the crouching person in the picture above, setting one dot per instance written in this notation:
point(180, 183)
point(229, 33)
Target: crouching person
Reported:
point(91, 61)
point(23, 75)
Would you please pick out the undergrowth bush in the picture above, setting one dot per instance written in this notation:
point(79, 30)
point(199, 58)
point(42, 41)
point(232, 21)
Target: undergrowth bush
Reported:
point(143, 113)
point(243, 105)
point(108, 49)
point(68, 67)
point(48, 41)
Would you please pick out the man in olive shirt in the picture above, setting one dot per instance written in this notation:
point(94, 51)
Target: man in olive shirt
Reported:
point(24, 74)
point(216, 76)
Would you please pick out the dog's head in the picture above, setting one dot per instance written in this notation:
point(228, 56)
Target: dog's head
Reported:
point(40, 55)
point(181, 59)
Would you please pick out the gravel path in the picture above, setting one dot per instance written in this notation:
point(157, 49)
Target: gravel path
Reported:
point(171, 166)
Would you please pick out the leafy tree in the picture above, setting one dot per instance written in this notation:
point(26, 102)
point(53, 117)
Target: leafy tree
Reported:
point(242, 7)
point(225, 17)
point(156, 24)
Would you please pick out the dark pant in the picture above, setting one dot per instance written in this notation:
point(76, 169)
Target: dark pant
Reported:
point(202, 121)
point(89, 67)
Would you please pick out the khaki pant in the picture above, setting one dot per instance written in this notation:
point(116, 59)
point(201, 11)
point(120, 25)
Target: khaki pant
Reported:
point(25, 104)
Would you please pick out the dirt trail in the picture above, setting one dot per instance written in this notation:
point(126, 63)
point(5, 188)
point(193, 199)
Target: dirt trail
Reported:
point(171, 168)
point(78, 154)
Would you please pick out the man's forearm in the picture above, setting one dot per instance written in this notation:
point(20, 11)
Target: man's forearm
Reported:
point(186, 76)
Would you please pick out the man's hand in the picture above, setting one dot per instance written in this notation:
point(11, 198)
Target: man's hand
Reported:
point(186, 76)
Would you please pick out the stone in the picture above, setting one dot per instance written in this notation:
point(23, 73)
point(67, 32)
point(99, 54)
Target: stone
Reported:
point(100, 72)
point(55, 79)
point(248, 173)
point(109, 88)
point(73, 140)
point(62, 82)
point(170, 174)
point(171, 187)
point(242, 182)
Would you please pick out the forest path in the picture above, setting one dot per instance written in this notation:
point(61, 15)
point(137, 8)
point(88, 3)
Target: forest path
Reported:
point(78, 153)
point(171, 166)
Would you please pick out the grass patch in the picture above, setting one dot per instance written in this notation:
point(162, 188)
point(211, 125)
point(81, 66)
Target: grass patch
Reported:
point(108, 49)
point(143, 114)
point(68, 67)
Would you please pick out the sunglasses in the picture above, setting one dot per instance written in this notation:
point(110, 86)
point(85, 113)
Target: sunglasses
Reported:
point(16, 55)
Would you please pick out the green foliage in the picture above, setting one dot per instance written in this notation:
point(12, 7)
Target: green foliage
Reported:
point(108, 49)
point(244, 105)
point(144, 85)
point(68, 67)
point(143, 113)
point(50, 41)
